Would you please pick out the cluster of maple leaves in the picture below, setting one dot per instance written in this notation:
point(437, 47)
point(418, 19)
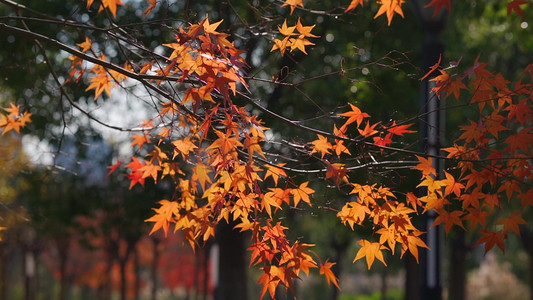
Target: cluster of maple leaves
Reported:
point(212, 150)
point(13, 119)
point(220, 144)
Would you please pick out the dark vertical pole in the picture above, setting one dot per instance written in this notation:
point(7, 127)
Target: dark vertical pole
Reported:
point(431, 140)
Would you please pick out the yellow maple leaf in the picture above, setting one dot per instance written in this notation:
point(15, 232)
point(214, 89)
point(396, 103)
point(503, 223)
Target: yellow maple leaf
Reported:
point(371, 251)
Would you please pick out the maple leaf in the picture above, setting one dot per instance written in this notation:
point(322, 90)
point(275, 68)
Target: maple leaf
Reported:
point(492, 201)
point(337, 171)
point(355, 115)
point(455, 87)
point(383, 141)
point(451, 185)
point(439, 4)
point(431, 184)
point(302, 193)
point(353, 213)
point(368, 130)
point(164, 215)
point(426, 166)
point(201, 173)
point(112, 168)
point(135, 175)
point(371, 251)
point(399, 129)
point(305, 30)
point(413, 200)
point(275, 172)
point(491, 238)
point(110, 4)
point(353, 5)
point(183, 147)
point(325, 269)
point(293, 4)
point(140, 140)
point(211, 28)
point(432, 68)
point(476, 216)
point(149, 9)
point(515, 6)
point(389, 236)
point(512, 222)
point(268, 201)
point(389, 7)
point(86, 45)
point(100, 83)
point(150, 170)
point(449, 219)
point(411, 242)
point(321, 145)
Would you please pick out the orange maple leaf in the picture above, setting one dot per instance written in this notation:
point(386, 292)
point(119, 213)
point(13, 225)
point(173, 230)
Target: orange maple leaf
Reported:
point(368, 130)
point(148, 10)
point(302, 193)
point(140, 140)
point(491, 238)
point(112, 168)
point(425, 165)
point(449, 219)
point(411, 242)
point(164, 215)
point(451, 185)
point(150, 170)
point(201, 173)
point(370, 250)
point(389, 7)
point(321, 145)
point(512, 222)
point(432, 68)
point(353, 213)
point(325, 269)
point(353, 5)
point(355, 115)
point(476, 216)
point(399, 129)
point(275, 172)
point(86, 45)
point(293, 4)
point(109, 4)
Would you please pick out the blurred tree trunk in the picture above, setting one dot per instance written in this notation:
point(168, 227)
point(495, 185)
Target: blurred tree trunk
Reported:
point(3, 272)
point(526, 235)
point(137, 270)
point(232, 265)
point(62, 245)
point(412, 278)
point(457, 273)
point(340, 249)
point(153, 269)
point(123, 261)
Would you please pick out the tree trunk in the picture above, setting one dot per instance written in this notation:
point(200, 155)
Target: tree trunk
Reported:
point(3, 272)
point(62, 251)
point(137, 269)
point(153, 269)
point(526, 235)
point(340, 250)
point(123, 261)
point(232, 266)
point(457, 275)
point(412, 278)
